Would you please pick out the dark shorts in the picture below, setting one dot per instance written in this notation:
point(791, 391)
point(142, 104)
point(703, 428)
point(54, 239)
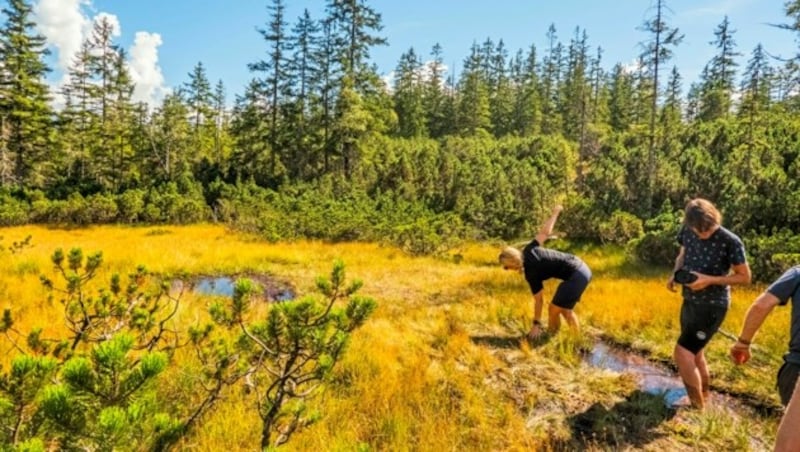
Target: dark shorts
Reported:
point(787, 378)
point(699, 322)
point(570, 290)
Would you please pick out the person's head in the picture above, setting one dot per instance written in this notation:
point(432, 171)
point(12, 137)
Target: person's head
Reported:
point(702, 217)
point(510, 258)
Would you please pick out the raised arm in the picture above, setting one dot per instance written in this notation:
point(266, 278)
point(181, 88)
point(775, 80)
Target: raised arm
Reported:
point(547, 227)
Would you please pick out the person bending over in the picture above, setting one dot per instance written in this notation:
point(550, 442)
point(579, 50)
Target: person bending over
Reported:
point(539, 264)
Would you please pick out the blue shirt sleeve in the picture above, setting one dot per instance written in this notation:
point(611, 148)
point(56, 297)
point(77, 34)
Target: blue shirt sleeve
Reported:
point(786, 285)
point(738, 256)
point(680, 238)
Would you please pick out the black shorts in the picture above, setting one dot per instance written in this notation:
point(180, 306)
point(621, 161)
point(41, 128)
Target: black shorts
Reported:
point(787, 378)
point(699, 322)
point(570, 290)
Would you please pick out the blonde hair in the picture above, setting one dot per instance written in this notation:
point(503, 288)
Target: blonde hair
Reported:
point(511, 257)
point(701, 215)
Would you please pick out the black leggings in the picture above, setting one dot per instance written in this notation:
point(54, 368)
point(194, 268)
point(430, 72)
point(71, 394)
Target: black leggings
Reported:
point(699, 322)
point(570, 290)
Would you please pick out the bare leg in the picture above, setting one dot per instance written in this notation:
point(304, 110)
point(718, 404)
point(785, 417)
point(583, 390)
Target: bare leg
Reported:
point(687, 368)
point(554, 315)
point(705, 375)
point(553, 318)
point(571, 319)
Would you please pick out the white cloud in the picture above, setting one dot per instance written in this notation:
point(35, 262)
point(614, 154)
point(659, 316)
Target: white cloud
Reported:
point(144, 69)
point(116, 29)
point(65, 24)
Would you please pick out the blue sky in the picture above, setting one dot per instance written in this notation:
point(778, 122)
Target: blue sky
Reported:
point(166, 38)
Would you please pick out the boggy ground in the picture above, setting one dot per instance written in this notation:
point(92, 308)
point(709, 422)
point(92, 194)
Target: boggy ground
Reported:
point(579, 405)
point(440, 365)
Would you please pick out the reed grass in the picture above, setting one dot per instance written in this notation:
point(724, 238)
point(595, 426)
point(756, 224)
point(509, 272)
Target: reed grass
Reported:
point(441, 365)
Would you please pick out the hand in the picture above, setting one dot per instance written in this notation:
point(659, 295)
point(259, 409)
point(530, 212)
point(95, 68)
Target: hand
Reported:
point(700, 283)
point(671, 284)
point(558, 208)
point(535, 333)
point(740, 353)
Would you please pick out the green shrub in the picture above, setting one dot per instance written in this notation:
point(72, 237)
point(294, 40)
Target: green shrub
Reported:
point(130, 205)
point(102, 208)
point(771, 255)
point(621, 228)
point(659, 244)
point(13, 212)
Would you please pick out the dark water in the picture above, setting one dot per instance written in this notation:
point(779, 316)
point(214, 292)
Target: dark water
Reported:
point(215, 286)
point(224, 285)
point(652, 378)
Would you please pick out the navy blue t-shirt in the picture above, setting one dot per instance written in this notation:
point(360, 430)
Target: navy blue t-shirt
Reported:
point(714, 256)
point(784, 288)
point(541, 264)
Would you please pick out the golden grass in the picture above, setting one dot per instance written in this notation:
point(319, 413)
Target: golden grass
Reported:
point(439, 366)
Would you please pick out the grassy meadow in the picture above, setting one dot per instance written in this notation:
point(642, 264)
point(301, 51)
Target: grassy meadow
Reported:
point(439, 365)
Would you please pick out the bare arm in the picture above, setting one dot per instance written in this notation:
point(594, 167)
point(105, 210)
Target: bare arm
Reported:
point(756, 314)
point(538, 302)
point(547, 227)
point(678, 265)
point(536, 328)
point(740, 275)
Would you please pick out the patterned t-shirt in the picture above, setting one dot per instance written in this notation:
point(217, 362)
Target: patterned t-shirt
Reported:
point(714, 256)
point(784, 288)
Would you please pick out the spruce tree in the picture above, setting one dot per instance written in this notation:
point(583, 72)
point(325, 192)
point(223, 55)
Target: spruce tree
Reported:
point(656, 52)
point(25, 113)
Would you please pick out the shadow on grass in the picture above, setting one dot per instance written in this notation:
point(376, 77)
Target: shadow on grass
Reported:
point(629, 423)
point(509, 342)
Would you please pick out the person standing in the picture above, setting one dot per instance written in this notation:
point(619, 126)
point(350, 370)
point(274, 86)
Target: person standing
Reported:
point(715, 257)
point(539, 264)
point(783, 289)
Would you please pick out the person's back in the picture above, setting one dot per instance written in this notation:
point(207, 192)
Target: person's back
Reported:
point(541, 264)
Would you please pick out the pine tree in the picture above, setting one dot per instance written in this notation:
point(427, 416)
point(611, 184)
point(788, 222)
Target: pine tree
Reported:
point(78, 119)
point(198, 96)
point(220, 121)
point(437, 121)
point(501, 92)
point(275, 84)
point(474, 114)
point(326, 80)
point(719, 81)
point(756, 90)
point(25, 113)
point(120, 123)
point(656, 53)
point(620, 105)
point(355, 28)
point(551, 77)
point(527, 101)
point(408, 96)
point(303, 71)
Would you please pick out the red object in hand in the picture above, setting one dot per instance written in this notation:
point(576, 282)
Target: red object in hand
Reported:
point(739, 356)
